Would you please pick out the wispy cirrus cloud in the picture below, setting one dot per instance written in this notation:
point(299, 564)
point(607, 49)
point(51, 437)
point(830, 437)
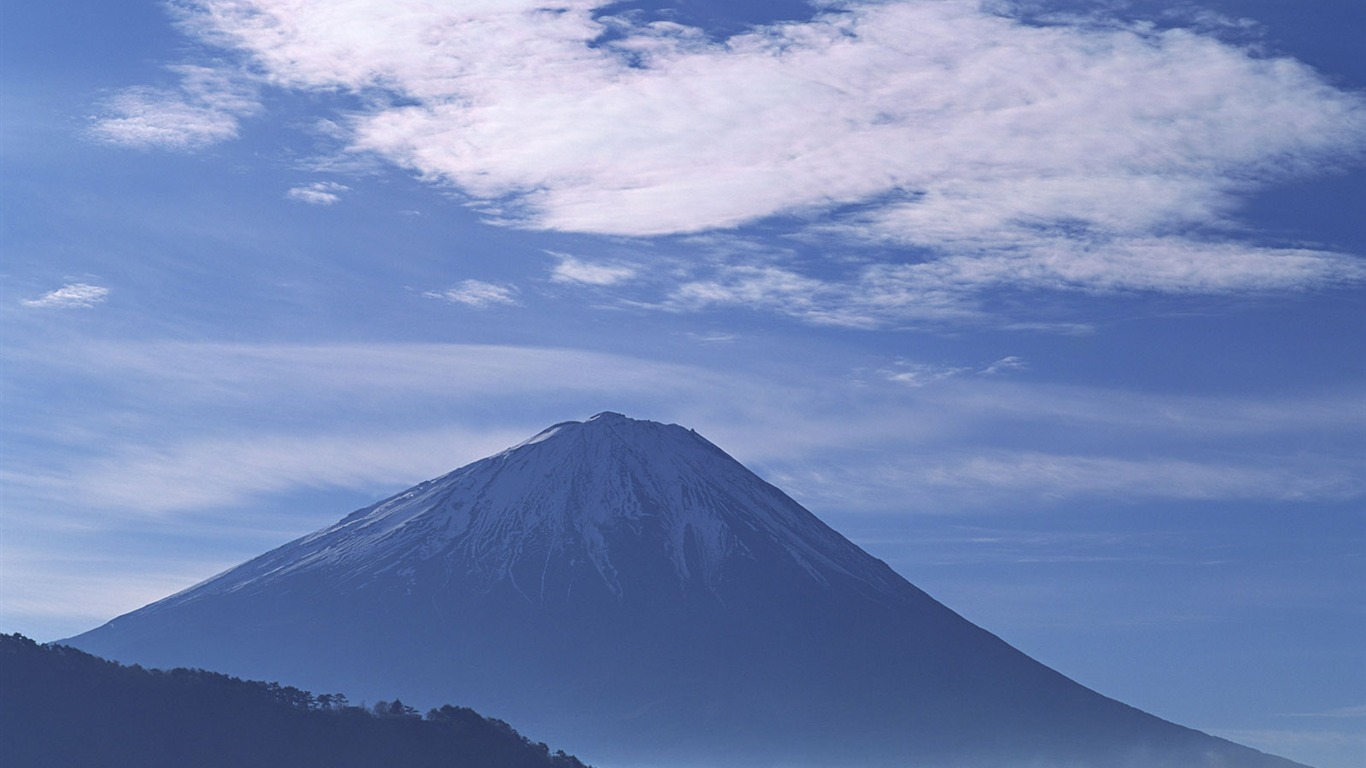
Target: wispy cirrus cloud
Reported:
point(318, 193)
point(69, 296)
point(1007, 151)
point(1357, 712)
point(477, 294)
point(949, 444)
point(197, 474)
point(1030, 480)
point(1007, 363)
point(573, 270)
point(1052, 476)
point(205, 108)
point(917, 374)
point(950, 289)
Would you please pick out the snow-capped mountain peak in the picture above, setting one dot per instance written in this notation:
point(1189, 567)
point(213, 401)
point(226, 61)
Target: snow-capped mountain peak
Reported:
point(628, 589)
point(567, 500)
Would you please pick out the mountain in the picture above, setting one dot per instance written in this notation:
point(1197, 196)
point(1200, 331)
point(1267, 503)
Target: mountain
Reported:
point(626, 589)
point(61, 708)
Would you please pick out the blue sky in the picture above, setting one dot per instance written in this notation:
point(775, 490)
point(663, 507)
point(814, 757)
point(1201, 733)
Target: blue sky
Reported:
point(1055, 306)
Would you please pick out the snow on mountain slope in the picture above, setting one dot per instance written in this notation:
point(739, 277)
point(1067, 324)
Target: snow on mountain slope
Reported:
point(566, 494)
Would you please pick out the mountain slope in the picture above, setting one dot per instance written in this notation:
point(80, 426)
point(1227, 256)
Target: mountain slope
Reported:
point(60, 707)
point(632, 592)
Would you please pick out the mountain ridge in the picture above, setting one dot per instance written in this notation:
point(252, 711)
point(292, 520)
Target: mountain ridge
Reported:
point(622, 586)
point(697, 538)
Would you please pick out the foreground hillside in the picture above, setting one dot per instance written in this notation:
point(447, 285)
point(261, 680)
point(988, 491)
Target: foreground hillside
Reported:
point(63, 707)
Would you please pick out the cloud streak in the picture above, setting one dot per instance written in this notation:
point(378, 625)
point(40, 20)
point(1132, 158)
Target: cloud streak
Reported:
point(914, 374)
point(318, 193)
point(578, 271)
point(1046, 476)
point(950, 289)
point(70, 296)
point(1021, 481)
point(197, 474)
point(956, 441)
point(477, 294)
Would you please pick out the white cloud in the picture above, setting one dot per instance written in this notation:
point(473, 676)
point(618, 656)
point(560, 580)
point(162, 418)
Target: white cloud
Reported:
point(950, 288)
point(1065, 329)
point(318, 193)
point(918, 374)
point(204, 109)
point(1062, 155)
point(1161, 264)
point(572, 270)
point(1077, 154)
point(857, 303)
point(1008, 363)
point(71, 295)
point(477, 294)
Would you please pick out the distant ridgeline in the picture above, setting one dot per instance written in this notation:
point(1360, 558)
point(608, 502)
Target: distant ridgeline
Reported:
point(62, 707)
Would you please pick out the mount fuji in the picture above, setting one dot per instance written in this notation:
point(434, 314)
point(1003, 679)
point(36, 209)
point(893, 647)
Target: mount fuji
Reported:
point(626, 589)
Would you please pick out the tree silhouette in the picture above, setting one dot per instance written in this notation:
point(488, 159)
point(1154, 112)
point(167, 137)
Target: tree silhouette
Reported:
point(62, 708)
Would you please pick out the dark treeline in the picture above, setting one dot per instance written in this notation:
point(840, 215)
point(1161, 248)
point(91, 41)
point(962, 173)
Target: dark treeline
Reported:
point(62, 707)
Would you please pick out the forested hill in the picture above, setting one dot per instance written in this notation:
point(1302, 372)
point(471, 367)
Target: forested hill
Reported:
point(62, 707)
